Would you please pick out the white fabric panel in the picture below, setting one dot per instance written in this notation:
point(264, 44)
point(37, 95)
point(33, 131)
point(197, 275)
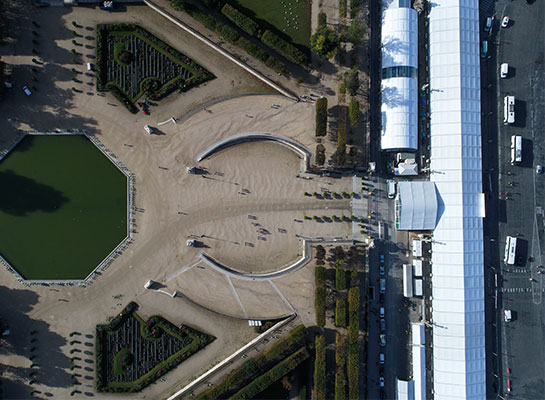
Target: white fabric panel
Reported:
point(399, 114)
point(399, 37)
point(456, 163)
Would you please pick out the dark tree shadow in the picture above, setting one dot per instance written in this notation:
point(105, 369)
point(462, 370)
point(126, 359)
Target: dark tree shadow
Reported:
point(51, 364)
point(22, 195)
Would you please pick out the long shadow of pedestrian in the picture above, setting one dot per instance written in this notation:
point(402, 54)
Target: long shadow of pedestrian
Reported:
point(50, 364)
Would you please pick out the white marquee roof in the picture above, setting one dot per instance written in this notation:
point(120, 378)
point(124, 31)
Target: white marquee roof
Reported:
point(459, 366)
point(417, 204)
point(399, 37)
point(399, 112)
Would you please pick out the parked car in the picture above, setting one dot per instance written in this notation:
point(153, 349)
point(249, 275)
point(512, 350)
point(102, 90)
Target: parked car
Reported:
point(381, 358)
point(382, 285)
point(507, 315)
point(382, 325)
point(381, 269)
point(505, 22)
point(27, 90)
point(539, 169)
point(382, 259)
point(381, 312)
point(381, 381)
point(382, 339)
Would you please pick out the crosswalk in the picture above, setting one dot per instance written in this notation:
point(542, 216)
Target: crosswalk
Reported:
point(520, 290)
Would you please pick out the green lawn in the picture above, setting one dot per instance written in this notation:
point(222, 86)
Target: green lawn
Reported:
point(63, 207)
point(291, 17)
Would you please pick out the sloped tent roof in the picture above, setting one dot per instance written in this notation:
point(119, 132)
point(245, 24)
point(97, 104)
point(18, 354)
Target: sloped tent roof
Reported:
point(400, 93)
point(417, 202)
point(406, 169)
point(459, 360)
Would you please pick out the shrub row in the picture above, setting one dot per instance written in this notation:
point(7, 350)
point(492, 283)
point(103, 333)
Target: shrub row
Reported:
point(340, 384)
point(320, 369)
point(341, 136)
point(245, 23)
point(352, 369)
point(354, 113)
point(254, 367)
point(321, 116)
point(340, 350)
point(284, 48)
point(354, 8)
point(320, 295)
point(322, 19)
point(231, 35)
point(340, 313)
point(275, 373)
point(340, 279)
point(353, 346)
point(320, 306)
point(320, 154)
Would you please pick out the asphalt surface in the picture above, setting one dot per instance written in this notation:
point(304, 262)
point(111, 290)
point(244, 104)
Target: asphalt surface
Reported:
point(515, 201)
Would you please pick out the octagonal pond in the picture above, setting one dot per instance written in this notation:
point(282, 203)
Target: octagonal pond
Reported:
point(63, 207)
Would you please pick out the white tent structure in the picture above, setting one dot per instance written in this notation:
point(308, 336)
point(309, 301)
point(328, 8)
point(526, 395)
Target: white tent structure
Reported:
point(399, 77)
point(416, 206)
point(459, 365)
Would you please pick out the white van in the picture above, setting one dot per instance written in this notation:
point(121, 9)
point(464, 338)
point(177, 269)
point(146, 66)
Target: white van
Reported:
point(504, 70)
point(509, 110)
point(391, 186)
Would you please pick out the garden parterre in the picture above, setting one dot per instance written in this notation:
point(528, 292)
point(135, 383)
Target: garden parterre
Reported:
point(132, 353)
point(132, 62)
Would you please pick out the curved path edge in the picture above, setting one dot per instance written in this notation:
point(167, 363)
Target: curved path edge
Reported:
point(253, 137)
point(295, 266)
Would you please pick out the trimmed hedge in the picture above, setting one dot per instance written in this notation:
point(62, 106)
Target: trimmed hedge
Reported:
point(340, 279)
point(284, 48)
point(320, 369)
point(352, 367)
point(321, 276)
point(245, 23)
point(341, 135)
point(320, 154)
point(340, 384)
point(252, 49)
point(228, 33)
point(340, 313)
point(340, 349)
point(322, 19)
point(274, 374)
point(319, 303)
point(255, 367)
point(321, 116)
point(354, 113)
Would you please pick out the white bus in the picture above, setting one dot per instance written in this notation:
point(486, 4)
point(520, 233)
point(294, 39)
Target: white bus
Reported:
point(509, 110)
point(407, 280)
point(516, 149)
point(510, 250)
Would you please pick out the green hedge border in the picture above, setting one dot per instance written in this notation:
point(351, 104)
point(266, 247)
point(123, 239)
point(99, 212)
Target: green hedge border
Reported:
point(255, 367)
point(199, 74)
point(200, 341)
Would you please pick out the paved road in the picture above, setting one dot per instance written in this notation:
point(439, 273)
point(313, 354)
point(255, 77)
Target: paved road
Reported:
point(514, 197)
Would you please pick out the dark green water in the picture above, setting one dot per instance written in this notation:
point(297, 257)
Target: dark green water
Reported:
point(63, 207)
